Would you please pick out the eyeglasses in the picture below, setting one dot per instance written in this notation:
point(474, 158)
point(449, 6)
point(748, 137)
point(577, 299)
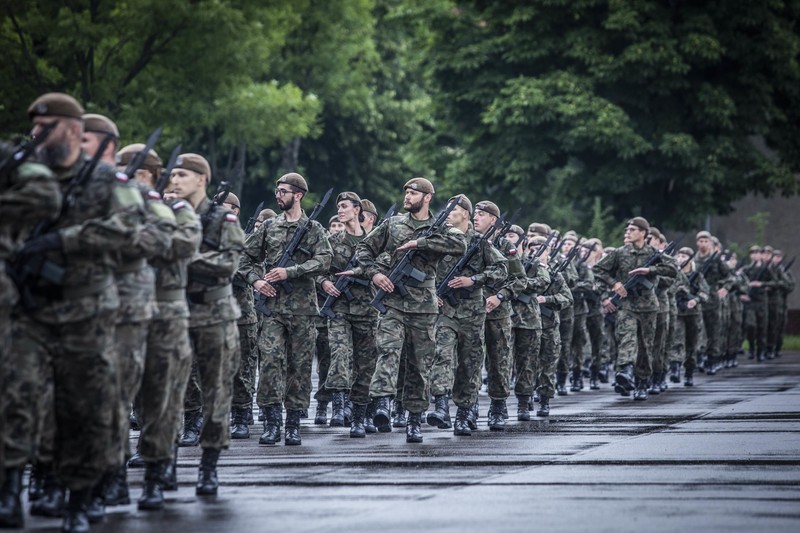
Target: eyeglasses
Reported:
point(281, 192)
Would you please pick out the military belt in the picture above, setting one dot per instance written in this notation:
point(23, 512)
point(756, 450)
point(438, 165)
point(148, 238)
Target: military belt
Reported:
point(170, 295)
point(131, 266)
point(203, 297)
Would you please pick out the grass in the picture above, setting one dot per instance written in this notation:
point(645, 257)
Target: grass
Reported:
point(791, 343)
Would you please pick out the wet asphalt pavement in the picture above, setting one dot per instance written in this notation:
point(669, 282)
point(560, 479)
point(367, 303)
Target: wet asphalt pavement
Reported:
point(723, 455)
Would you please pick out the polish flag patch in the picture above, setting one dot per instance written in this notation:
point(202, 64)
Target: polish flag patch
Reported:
point(153, 195)
point(230, 217)
point(512, 251)
point(179, 205)
point(121, 176)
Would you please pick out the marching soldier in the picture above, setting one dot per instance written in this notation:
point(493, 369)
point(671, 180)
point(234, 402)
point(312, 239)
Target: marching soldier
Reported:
point(691, 290)
point(717, 277)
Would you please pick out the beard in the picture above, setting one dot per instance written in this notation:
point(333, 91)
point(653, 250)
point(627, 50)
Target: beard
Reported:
point(414, 207)
point(285, 205)
point(52, 155)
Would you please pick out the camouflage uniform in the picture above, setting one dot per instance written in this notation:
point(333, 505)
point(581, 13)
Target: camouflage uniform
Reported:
point(556, 297)
point(169, 353)
point(581, 291)
point(717, 277)
point(688, 323)
point(213, 313)
point(526, 335)
point(566, 323)
point(66, 336)
point(756, 310)
point(595, 328)
point(322, 352)
point(660, 352)
point(735, 336)
point(288, 335)
point(636, 314)
point(352, 331)
point(458, 357)
point(409, 322)
point(775, 306)
point(244, 381)
point(786, 286)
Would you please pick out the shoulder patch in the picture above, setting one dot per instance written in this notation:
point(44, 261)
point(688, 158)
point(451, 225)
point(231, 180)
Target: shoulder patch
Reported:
point(230, 217)
point(511, 251)
point(153, 195)
point(121, 176)
point(179, 205)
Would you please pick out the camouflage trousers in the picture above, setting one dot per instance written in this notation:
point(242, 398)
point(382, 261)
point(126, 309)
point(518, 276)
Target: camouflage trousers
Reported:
point(610, 347)
point(215, 351)
point(684, 351)
point(323, 355)
point(735, 336)
point(595, 328)
point(499, 360)
point(545, 363)
point(5, 348)
point(168, 363)
point(353, 355)
point(711, 321)
point(636, 331)
point(412, 334)
point(756, 316)
point(287, 350)
point(660, 360)
point(244, 381)
point(130, 340)
point(774, 325)
point(456, 368)
point(565, 327)
point(526, 344)
point(579, 338)
point(78, 360)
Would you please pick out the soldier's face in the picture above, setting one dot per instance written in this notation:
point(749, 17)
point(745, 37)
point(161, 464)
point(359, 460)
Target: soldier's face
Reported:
point(776, 259)
point(415, 200)
point(704, 244)
point(567, 246)
point(58, 145)
point(232, 208)
point(458, 216)
point(185, 183)
point(346, 211)
point(285, 197)
point(90, 142)
point(634, 235)
point(483, 220)
point(681, 258)
point(335, 227)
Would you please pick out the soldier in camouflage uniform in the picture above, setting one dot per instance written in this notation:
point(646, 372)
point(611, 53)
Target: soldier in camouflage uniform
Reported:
point(410, 320)
point(598, 365)
point(352, 326)
point(756, 303)
point(65, 336)
point(213, 310)
point(581, 292)
point(28, 194)
point(660, 353)
point(739, 285)
point(567, 313)
point(636, 313)
point(774, 304)
point(499, 359)
point(458, 357)
point(786, 285)
point(689, 294)
point(717, 276)
point(288, 335)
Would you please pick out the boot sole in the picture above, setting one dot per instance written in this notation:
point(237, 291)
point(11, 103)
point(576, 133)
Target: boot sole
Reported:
point(462, 433)
point(358, 435)
point(623, 381)
point(413, 440)
point(150, 506)
point(434, 420)
point(199, 492)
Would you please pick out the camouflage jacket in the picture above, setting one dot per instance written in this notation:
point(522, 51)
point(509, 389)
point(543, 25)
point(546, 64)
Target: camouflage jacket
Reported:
point(378, 252)
point(764, 274)
point(615, 267)
point(583, 289)
point(664, 285)
point(685, 292)
point(488, 265)
point(101, 216)
point(344, 247)
point(264, 247)
point(525, 309)
point(512, 286)
point(717, 277)
point(212, 268)
point(556, 297)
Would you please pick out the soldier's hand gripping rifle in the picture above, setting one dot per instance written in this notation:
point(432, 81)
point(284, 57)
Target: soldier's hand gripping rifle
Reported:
point(286, 260)
point(343, 283)
point(638, 279)
point(403, 271)
point(21, 152)
point(448, 293)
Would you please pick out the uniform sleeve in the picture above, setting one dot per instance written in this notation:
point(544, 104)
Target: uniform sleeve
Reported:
point(33, 194)
point(155, 239)
point(539, 280)
point(443, 242)
point(187, 236)
point(321, 254)
point(251, 264)
point(495, 267)
point(562, 298)
point(370, 248)
point(516, 281)
point(606, 268)
point(222, 262)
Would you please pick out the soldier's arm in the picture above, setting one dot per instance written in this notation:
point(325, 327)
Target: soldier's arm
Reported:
point(188, 235)
point(32, 194)
point(561, 298)
point(665, 268)
point(605, 269)
point(495, 267)
point(516, 281)
point(585, 281)
point(222, 262)
point(155, 239)
point(443, 242)
point(251, 263)
point(370, 248)
point(321, 254)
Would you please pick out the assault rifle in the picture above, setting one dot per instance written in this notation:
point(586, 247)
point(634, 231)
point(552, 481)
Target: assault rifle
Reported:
point(638, 279)
point(506, 225)
point(163, 179)
point(286, 260)
point(251, 222)
point(532, 260)
point(403, 271)
point(448, 293)
point(788, 266)
point(706, 267)
point(561, 267)
point(21, 152)
point(344, 283)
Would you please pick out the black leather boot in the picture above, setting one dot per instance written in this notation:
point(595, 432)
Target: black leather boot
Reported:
point(496, 420)
point(369, 423)
point(357, 430)
point(348, 409)
point(383, 414)
point(272, 425)
point(152, 498)
point(170, 480)
point(640, 393)
point(624, 378)
point(399, 415)
point(474, 413)
point(414, 428)
point(440, 416)
point(240, 429)
point(207, 482)
point(460, 425)
point(523, 412)
point(337, 406)
point(136, 460)
point(35, 483)
point(292, 428)
point(96, 508)
point(321, 415)
point(192, 424)
point(75, 518)
point(561, 383)
point(10, 501)
point(603, 373)
point(116, 491)
point(575, 381)
point(711, 366)
point(51, 504)
point(544, 407)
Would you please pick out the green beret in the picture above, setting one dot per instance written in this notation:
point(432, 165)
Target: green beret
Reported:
point(151, 162)
point(368, 207)
point(334, 218)
point(685, 250)
point(195, 163)
point(462, 201)
point(348, 196)
point(295, 180)
point(95, 123)
point(768, 249)
point(233, 200)
point(516, 229)
point(488, 207)
point(537, 240)
point(640, 223)
point(266, 214)
point(570, 236)
point(420, 185)
point(56, 104)
point(540, 229)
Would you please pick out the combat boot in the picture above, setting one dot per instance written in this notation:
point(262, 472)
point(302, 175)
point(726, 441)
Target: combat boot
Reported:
point(655, 387)
point(116, 490)
point(321, 416)
point(51, 504)
point(292, 428)
point(640, 393)
point(10, 501)
point(751, 354)
point(496, 421)
point(472, 418)
point(461, 427)
point(440, 417)
point(399, 415)
point(624, 378)
point(662, 385)
point(337, 409)
point(413, 428)
point(192, 424)
point(544, 407)
point(383, 414)
point(152, 498)
point(207, 482)
point(35, 483)
point(675, 372)
point(96, 508)
point(575, 381)
point(76, 519)
point(250, 420)
point(170, 479)
point(240, 429)
point(136, 460)
point(594, 379)
point(272, 425)
point(523, 412)
point(603, 373)
point(561, 384)
point(688, 378)
point(357, 430)
point(347, 412)
point(369, 423)
point(711, 366)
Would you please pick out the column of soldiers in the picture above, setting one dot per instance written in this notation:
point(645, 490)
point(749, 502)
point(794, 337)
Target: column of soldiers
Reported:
point(124, 286)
